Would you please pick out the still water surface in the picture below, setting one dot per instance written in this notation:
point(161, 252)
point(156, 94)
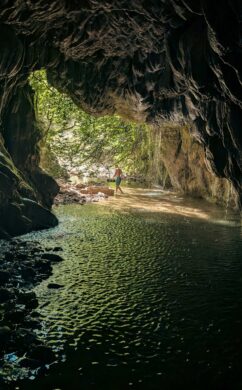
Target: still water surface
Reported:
point(151, 297)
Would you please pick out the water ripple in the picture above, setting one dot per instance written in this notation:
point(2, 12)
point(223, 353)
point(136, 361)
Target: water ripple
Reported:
point(144, 297)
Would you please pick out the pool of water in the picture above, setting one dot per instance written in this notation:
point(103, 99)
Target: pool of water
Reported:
point(150, 299)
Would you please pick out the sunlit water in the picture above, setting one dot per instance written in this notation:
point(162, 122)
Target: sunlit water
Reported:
point(151, 299)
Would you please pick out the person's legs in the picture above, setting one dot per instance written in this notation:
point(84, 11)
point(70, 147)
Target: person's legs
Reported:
point(120, 189)
point(118, 181)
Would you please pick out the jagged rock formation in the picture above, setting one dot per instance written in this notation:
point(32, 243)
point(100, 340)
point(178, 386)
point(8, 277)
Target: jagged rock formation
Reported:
point(148, 60)
point(184, 161)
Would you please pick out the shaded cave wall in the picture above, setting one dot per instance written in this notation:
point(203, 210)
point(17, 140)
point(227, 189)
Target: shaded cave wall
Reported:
point(149, 61)
point(26, 192)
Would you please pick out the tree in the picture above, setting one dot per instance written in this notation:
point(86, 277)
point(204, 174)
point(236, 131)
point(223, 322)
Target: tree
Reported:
point(76, 137)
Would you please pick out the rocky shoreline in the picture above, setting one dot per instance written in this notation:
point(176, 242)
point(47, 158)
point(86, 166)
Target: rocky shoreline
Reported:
point(23, 265)
point(81, 194)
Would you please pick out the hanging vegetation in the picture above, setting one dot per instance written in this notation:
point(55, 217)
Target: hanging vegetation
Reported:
point(73, 137)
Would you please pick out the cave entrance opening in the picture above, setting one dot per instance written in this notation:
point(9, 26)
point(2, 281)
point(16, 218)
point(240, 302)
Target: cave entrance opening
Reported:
point(77, 146)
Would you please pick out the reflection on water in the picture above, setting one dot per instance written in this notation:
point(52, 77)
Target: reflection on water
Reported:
point(151, 299)
point(160, 201)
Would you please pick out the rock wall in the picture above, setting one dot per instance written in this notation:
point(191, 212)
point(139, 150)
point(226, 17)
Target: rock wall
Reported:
point(150, 61)
point(185, 162)
point(26, 192)
point(20, 207)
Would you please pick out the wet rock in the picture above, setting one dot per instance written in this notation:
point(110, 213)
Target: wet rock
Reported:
point(57, 249)
point(23, 337)
point(33, 304)
point(14, 242)
point(5, 334)
point(30, 304)
point(6, 295)
point(40, 216)
point(15, 316)
point(55, 285)
point(21, 256)
point(4, 277)
point(44, 265)
point(28, 299)
point(35, 314)
point(30, 363)
point(42, 353)
point(24, 297)
point(9, 256)
point(21, 267)
point(36, 250)
point(4, 330)
point(32, 323)
point(2, 384)
point(28, 273)
point(70, 193)
point(52, 257)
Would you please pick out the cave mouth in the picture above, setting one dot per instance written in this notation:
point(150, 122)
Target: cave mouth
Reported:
point(76, 145)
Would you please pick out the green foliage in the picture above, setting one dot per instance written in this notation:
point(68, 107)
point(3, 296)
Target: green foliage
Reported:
point(76, 137)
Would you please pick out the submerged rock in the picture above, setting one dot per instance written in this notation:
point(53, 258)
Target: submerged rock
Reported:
point(15, 316)
point(42, 353)
point(55, 286)
point(4, 277)
point(5, 334)
point(6, 295)
point(52, 257)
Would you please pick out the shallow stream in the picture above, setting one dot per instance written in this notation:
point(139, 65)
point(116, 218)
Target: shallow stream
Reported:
point(151, 296)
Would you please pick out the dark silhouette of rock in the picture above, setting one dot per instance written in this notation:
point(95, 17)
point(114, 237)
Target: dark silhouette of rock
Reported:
point(31, 363)
point(28, 299)
point(5, 333)
point(52, 257)
point(5, 295)
point(57, 249)
point(42, 353)
point(15, 316)
point(4, 277)
point(153, 61)
point(4, 330)
point(55, 286)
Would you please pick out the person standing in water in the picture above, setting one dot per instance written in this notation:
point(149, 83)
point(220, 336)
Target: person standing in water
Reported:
point(118, 178)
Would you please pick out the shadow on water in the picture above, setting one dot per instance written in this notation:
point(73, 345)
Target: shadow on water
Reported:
point(151, 297)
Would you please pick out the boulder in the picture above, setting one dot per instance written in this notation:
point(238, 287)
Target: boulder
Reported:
point(96, 189)
point(52, 257)
point(42, 353)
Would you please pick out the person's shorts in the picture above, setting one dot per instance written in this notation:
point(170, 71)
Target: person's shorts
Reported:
point(118, 180)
